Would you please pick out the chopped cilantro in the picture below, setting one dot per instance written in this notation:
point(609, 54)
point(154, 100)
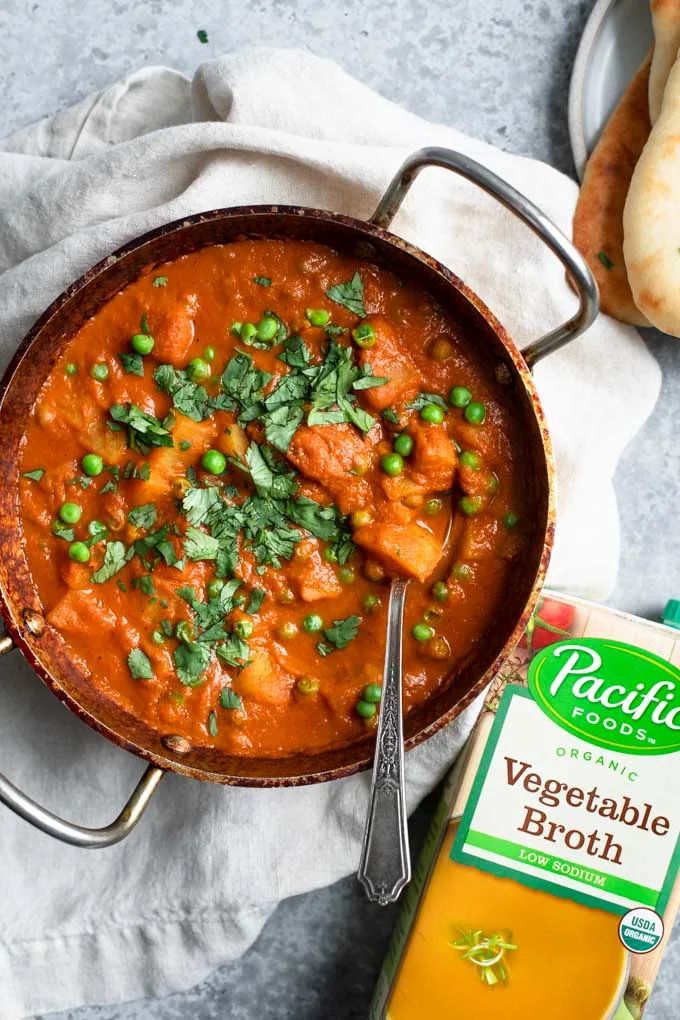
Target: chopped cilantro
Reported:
point(160, 281)
point(143, 516)
point(229, 699)
point(144, 431)
point(202, 35)
point(122, 585)
point(257, 597)
point(185, 445)
point(144, 584)
point(234, 651)
point(389, 414)
point(110, 486)
point(133, 363)
point(428, 398)
point(605, 260)
point(115, 558)
point(350, 295)
point(199, 546)
point(191, 661)
point(340, 634)
point(212, 723)
point(63, 531)
point(295, 353)
point(34, 476)
point(139, 665)
point(262, 281)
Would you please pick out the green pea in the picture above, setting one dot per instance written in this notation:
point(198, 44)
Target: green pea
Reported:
point(209, 354)
point(158, 637)
point(422, 631)
point(364, 336)
point(365, 709)
point(433, 507)
point(214, 587)
point(371, 602)
point(510, 520)
point(97, 528)
point(307, 685)
point(403, 444)
point(440, 591)
point(185, 632)
point(70, 513)
point(100, 371)
point(433, 413)
point(461, 572)
point(392, 464)
point(470, 459)
point(236, 328)
point(248, 332)
point(475, 413)
point(288, 630)
point(372, 693)
point(312, 623)
point(213, 462)
point(470, 505)
point(92, 464)
point(347, 575)
point(460, 396)
point(330, 555)
point(243, 629)
point(267, 328)
point(71, 368)
point(318, 316)
point(198, 370)
point(142, 343)
point(79, 552)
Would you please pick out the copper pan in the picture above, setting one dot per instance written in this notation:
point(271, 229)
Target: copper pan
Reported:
point(44, 649)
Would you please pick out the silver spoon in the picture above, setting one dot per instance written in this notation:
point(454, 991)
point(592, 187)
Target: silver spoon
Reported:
point(385, 865)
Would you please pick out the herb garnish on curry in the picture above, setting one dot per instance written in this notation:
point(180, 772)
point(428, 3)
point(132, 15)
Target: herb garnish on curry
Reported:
point(227, 465)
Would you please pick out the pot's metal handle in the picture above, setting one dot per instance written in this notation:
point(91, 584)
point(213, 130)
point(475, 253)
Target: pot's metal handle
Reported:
point(572, 260)
point(77, 835)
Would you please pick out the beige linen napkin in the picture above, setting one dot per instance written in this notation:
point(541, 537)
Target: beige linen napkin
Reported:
point(193, 885)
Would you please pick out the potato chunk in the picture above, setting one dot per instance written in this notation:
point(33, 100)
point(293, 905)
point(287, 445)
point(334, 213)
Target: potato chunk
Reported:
point(173, 333)
point(323, 452)
point(434, 458)
point(401, 548)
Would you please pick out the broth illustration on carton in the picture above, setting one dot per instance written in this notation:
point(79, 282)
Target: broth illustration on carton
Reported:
point(547, 886)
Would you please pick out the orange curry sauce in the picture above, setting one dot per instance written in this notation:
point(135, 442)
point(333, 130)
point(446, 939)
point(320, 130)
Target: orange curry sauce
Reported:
point(190, 607)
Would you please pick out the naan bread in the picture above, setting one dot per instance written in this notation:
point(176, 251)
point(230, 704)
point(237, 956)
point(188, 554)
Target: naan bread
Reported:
point(651, 218)
point(666, 22)
point(598, 218)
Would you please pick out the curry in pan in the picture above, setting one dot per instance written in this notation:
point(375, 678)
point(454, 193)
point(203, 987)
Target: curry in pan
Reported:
point(229, 462)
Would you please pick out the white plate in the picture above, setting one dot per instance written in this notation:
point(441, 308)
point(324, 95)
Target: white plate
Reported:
point(614, 43)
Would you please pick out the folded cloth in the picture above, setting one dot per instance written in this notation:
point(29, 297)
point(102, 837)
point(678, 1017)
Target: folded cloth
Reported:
point(192, 887)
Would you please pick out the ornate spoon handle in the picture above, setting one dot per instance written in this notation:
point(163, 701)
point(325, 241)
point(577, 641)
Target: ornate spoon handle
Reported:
point(385, 865)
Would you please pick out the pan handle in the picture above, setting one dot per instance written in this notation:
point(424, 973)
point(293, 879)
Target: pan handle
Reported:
point(78, 835)
point(571, 259)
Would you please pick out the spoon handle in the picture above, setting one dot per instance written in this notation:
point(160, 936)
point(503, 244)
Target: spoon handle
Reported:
point(385, 865)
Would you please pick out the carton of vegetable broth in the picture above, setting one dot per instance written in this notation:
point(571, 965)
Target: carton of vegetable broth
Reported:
point(547, 885)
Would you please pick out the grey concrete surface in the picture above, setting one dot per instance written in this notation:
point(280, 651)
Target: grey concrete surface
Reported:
point(498, 69)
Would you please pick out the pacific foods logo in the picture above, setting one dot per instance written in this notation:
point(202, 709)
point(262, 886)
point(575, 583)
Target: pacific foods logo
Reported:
point(608, 693)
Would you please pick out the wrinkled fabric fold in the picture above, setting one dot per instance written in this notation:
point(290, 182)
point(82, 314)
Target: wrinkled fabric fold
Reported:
point(192, 887)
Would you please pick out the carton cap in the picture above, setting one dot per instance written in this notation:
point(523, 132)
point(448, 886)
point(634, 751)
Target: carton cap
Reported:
point(671, 614)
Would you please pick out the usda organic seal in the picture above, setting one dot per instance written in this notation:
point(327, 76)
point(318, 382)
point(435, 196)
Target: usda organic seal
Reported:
point(641, 930)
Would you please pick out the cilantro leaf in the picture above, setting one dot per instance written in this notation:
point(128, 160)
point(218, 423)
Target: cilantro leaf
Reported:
point(229, 699)
point(110, 486)
point(257, 597)
point(139, 665)
point(191, 662)
point(350, 295)
point(244, 383)
point(202, 35)
point(281, 425)
point(63, 531)
point(342, 632)
point(428, 398)
point(133, 363)
point(199, 546)
point(295, 352)
point(212, 723)
point(34, 476)
point(234, 651)
point(144, 430)
point(262, 281)
point(160, 281)
point(143, 516)
point(268, 477)
point(389, 414)
point(321, 521)
point(115, 558)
